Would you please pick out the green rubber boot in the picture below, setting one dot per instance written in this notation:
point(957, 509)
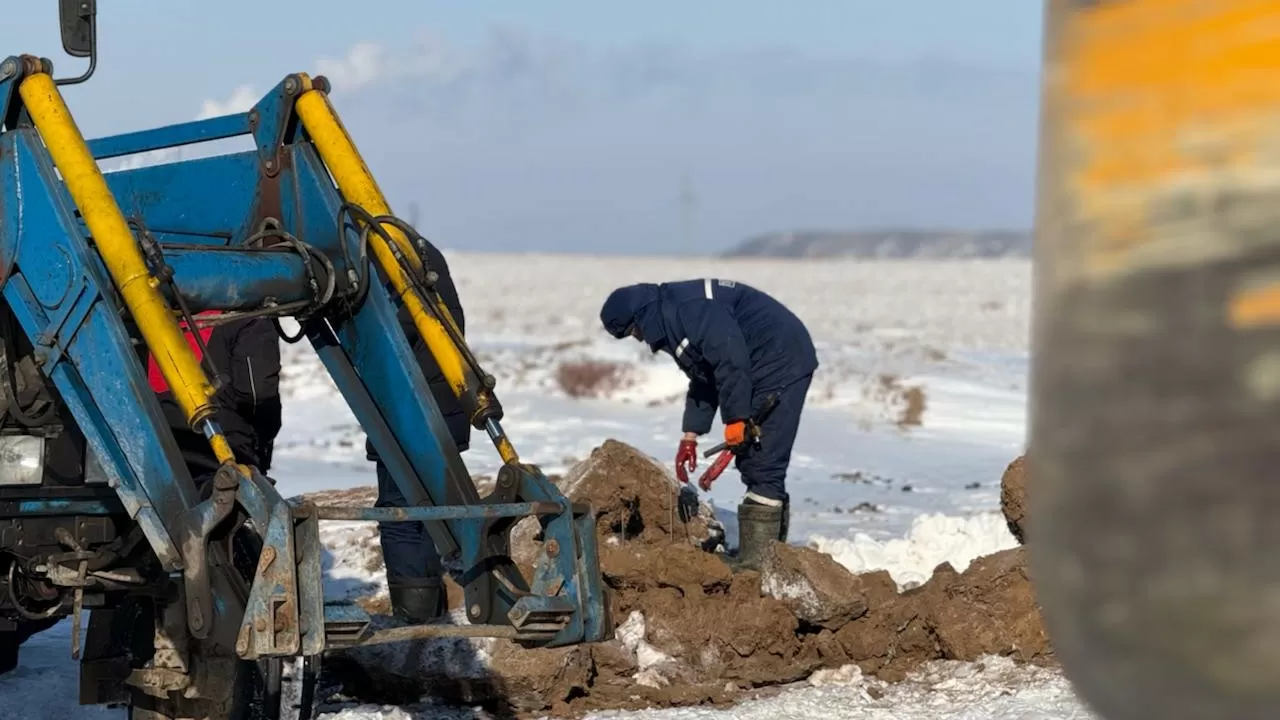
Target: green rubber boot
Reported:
point(758, 525)
point(416, 602)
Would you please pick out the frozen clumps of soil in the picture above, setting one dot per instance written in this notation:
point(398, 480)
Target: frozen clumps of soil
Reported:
point(1013, 497)
point(813, 586)
point(692, 632)
point(637, 500)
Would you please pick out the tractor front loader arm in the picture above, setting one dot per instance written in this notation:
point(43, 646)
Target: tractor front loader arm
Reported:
point(99, 268)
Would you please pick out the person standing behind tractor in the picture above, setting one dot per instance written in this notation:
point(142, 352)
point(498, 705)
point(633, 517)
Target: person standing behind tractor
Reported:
point(414, 569)
point(245, 353)
point(740, 348)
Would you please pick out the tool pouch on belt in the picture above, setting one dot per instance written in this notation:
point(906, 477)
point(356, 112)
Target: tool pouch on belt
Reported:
point(752, 440)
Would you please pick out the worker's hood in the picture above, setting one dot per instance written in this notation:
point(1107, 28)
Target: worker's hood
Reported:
point(635, 305)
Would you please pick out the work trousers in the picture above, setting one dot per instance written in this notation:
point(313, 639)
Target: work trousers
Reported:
point(407, 548)
point(764, 468)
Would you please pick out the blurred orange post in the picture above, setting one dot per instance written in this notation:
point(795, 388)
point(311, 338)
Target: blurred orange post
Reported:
point(1155, 502)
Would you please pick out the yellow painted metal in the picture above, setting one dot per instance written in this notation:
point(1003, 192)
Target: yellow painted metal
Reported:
point(1161, 106)
point(358, 187)
point(507, 451)
point(120, 252)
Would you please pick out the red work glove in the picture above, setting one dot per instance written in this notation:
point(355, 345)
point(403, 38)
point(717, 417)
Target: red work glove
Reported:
point(714, 471)
point(686, 459)
point(735, 434)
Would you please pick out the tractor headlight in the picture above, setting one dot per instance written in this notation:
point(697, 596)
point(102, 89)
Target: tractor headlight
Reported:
point(21, 460)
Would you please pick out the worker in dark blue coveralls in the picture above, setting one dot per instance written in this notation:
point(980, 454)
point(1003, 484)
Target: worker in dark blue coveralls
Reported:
point(738, 346)
point(414, 570)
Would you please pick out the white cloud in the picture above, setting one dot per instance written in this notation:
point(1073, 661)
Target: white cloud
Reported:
point(242, 98)
point(364, 65)
point(428, 59)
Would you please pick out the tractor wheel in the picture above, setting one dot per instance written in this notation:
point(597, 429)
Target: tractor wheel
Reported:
point(272, 689)
point(287, 691)
point(294, 696)
point(143, 706)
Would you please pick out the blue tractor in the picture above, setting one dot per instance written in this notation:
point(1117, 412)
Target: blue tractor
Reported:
point(202, 602)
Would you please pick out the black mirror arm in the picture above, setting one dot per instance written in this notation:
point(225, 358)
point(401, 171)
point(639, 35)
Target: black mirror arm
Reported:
point(79, 20)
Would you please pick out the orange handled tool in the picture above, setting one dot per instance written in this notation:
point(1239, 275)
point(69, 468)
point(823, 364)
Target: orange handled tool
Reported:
point(726, 452)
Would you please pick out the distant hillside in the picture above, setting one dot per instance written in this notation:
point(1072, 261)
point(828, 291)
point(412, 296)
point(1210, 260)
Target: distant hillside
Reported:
point(889, 244)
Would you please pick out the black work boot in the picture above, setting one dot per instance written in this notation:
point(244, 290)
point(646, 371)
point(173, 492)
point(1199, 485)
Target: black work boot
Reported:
point(417, 601)
point(758, 525)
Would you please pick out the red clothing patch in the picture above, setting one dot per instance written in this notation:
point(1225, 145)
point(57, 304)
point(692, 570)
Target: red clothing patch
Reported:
point(154, 377)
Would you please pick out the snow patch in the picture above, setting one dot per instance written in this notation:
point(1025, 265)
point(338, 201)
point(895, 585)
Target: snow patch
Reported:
point(649, 659)
point(367, 713)
point(846, 675)
point(991, 689)
point(932, 540)
point(444, 657)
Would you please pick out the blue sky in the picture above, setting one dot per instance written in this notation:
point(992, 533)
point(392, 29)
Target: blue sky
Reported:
point(568, 125)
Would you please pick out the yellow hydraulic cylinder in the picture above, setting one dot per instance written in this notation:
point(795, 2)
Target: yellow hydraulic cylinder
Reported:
point(1155, 363)
point(120, 253)
point(358, 187)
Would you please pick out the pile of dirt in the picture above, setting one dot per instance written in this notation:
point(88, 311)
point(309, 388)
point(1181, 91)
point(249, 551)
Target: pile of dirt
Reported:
point(691, 631)
point(1013, 497)
point(636, 502)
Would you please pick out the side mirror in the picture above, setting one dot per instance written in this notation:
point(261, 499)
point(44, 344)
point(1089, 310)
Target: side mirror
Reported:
point(78, 19)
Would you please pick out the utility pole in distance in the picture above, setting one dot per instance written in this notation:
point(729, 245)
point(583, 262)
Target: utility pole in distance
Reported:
point(688, 208)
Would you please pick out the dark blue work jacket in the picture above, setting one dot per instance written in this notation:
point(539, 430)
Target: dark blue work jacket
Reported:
point(734, 342)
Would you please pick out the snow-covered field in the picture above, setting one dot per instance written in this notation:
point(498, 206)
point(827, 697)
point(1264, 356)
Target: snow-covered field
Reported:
point(875, 481)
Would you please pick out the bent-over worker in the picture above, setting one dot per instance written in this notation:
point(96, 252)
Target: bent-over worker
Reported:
point(738, 346)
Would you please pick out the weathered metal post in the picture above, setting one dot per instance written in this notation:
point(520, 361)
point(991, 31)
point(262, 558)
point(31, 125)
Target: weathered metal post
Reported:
point(1154, 457)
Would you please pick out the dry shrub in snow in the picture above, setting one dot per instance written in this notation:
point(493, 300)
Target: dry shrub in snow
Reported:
point(592, 378)
point(913, 412)
point(907, 402)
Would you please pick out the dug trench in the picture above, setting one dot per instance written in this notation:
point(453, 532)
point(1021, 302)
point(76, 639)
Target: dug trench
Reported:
point(690, 631)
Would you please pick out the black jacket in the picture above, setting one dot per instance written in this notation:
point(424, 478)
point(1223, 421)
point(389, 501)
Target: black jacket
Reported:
point(450, 406)
point(246, 355)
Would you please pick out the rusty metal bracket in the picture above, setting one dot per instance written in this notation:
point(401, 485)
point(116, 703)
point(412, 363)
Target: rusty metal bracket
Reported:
point(197, 526)
point(271, 626)
point(274, 121)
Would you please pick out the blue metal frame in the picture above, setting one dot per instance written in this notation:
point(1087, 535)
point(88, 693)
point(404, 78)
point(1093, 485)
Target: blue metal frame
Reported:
point(202, 212)
point(446, 512)
point(32, 508)
point(171, 136)
point(65, 302)
point(200, 274)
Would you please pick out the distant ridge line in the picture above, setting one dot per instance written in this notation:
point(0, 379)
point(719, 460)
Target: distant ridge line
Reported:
point(888, 244)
